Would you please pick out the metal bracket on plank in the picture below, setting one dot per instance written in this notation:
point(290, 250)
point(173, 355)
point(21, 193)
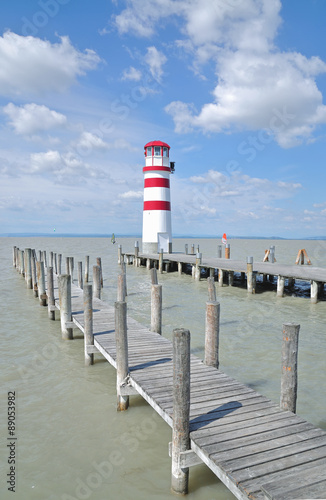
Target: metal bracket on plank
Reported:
point(186, 458)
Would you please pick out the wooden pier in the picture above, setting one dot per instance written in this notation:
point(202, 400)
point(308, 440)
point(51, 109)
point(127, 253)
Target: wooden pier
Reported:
point(224, 269)
point(258, 450)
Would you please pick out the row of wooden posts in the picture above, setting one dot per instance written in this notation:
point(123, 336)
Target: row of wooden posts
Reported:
point(181, 344)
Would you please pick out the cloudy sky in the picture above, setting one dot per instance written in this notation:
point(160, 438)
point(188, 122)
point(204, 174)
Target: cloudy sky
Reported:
point(235, 87)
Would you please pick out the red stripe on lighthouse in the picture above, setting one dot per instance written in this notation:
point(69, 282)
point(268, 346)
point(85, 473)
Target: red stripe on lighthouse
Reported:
point(157, 182)
point(157, 205)
point(155, 167)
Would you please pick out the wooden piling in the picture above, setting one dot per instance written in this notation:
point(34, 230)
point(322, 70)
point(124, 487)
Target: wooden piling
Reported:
point(192, 249)
point(51, 260)
point(80, 274)
point(22, 262)
point(64, 285)
point(198, 263)
point(59, 263)
point(211, 289)
point(181, 408)
point(68, 265)
point(227, 250)
point(97, 282)
point(156, 309)
point(212, 329)
point(219, 251)
point(121, 296)
point(136, 261)
point(55, 264)
point(179, 268)
point(71, 268)
point(289, 381)
point(41, 282)
point(34, 276)
point(314, 288)
point(220, 277)
point(44, 259)
point(124, 272)
point(119, 254)
point(154, 276)
point(186, 249)
point(86, 268)
point(280, 286)
point(14, 256)
point(99, 263)
point(231, 278)
point(28, 268)
point(122, 353)
point(88, 323)
point(250, 275)
point(50, 292)
point(160, 261)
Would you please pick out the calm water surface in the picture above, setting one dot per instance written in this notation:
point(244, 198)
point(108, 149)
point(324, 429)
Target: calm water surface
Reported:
point(71, 442)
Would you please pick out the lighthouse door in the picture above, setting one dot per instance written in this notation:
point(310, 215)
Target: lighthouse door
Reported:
point(163, 242)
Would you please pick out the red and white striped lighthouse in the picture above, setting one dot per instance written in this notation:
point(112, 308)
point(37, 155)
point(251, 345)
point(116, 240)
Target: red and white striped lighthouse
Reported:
point(157, 230)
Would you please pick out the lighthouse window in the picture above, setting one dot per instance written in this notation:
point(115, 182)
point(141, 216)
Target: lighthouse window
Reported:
point(157, 151)
point(165, 152)
point(149, 151)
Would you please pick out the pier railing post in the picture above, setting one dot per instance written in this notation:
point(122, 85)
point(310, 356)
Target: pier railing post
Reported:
point(64, 285)
point(86, 268)
point(156, 309)
point(97, 282)
point(88, 323)
point(50, 290)
point(80, 274)
point(41, 283)
point(181, 408)
point(289, 381)
point(99, 263)
point(212, 331)
point(28, 267)
point(122, 353)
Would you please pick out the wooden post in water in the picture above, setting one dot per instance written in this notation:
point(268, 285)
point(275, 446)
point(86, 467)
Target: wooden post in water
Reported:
point(71, 268)
point(198, 263)
point(231, 278)
point(122, 353)
point(121, 296)
point(86, 268)
point(227, 250)
point(80, 274)
point(119, 254)
point(136, 261)
point(41, 282)
point(280, 286)
point(148, 263)
point(181, 408)
point(55, 264)
point(219, 251)
point(50, 290)
point(314, 288)
point(212, 331)
point(179, 268)
point(44, 259)
point(34, 278)
point(59, 263)
point(28, 267)
point(160, 261)
point(186, 249)
point(289, 381)
point(22, 262)
point(68, 265)
point(250, 279)
point(99, 263)
point(14, 256)
point(88, 323)
point(154, 276)
point(39, 255)
point(192, 249)
point(220, 277)
point(156, 309)
point(64, 285)
point(291, 283)
point(51, 259)
point(211, 289)
point(97, 282)
point(124, 272)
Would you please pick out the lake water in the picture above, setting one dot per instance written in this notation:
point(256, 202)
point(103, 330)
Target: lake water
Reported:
point(71, 442)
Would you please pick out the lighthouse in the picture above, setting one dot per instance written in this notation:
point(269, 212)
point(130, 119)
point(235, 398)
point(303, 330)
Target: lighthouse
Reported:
point(157, 230)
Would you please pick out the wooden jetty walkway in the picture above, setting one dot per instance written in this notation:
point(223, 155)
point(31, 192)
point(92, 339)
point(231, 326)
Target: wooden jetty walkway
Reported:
point(258, 450)
point(225, 269)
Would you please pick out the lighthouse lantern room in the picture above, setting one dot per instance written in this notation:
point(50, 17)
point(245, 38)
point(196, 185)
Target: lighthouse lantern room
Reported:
point(157, 230)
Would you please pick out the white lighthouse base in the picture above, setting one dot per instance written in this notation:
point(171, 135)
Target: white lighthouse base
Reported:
point(153, 247)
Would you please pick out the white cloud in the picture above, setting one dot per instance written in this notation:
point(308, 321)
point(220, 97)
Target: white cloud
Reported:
point(155, 60)
point(34, 66)
point(132, 74)
point(32, 118)
point(89, 142)
point(131, 195)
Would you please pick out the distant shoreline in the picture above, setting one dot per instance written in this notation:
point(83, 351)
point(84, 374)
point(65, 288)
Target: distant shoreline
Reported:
point(68, 235)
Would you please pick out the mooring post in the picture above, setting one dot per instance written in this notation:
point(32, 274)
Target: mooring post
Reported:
point(148, 263)
point(67, 265)
point(280, 286)
point(291, 283)
point(272, 254)
point(181, 408)
point(80, 274)
point(22, 263)
point(28, 267)
point(212, 332)
point(122, 353)
point(119, 254)
point(250, 279)
point(314, 292)
point(34, 278)
point(289, 381)
point(186, 249)
point(39, 255)
point(59, 263)
point(231, 278)
point(160, 261)
point(14, 256)
point(179, 268)
point(219, 251)
point(55, 264)
point(99, 263)
point(86, 268)
point(50, 291)
point(156, 309)
point(198, 263)
point(211, 289)
point(64, 285)
point(71, 268)
point(154, 276)
point(44, 259)
point(41, 282)
point(192, 249)
point(51, 260)
point(97, 282)
point(227, 250)
point(136, 261)
point(220, 277)
point(121, 288)
point(88, 323)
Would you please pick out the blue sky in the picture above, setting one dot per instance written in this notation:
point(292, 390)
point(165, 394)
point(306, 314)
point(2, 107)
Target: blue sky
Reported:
point(235, 87)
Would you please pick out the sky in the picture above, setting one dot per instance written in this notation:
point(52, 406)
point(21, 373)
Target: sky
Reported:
point(235, 87)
